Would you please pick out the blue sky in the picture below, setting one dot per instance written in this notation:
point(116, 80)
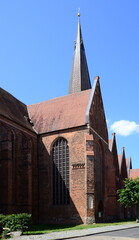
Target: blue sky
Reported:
point(36, 51)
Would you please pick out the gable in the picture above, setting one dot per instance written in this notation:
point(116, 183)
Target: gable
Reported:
point(95, 114)
point(113, 149)
point(122, 164)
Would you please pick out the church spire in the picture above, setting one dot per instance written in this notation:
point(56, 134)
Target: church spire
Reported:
point(80, 79)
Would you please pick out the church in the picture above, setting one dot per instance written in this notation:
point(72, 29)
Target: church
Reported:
point(56, 160)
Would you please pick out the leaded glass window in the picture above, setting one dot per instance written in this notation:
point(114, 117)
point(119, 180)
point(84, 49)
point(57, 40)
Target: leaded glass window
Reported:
point(60, 158)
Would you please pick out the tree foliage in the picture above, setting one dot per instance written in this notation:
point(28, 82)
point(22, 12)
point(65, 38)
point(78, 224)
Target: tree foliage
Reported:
point(129, 195)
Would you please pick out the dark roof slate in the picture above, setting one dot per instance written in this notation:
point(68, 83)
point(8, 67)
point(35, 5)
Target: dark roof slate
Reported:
point(14, 110)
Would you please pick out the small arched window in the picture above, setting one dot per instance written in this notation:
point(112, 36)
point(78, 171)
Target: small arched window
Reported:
point(60, 158)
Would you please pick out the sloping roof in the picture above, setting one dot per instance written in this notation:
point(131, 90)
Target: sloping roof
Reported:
point(110, 144)
point(13, 109)
point(60, 113)
point(134, 173)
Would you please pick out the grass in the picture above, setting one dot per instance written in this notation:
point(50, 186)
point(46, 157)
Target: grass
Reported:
point(46, 228)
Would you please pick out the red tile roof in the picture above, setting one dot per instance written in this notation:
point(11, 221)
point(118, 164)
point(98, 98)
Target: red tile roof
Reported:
point(13, 109)
point(60, 113)
point(119, 162)
point(134, 173)
point(127, 162)
point(119, 159)
point(110, 144)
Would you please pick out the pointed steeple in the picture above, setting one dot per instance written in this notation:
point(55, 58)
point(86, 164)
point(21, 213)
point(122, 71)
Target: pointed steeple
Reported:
point(80, 79)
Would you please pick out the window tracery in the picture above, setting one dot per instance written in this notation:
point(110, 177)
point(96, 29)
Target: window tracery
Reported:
point(60, 158)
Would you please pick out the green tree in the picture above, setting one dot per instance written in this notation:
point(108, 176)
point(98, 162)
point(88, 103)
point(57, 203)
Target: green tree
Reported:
point(129, 195)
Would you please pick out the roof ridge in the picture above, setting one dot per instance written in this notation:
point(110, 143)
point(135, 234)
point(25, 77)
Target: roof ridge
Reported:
point(65, 96)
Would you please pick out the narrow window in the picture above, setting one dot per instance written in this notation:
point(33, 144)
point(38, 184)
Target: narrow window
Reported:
point(90, 202)
point(60, 158)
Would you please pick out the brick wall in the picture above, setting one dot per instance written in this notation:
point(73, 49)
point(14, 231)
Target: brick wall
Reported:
point(103, 163)
point(18, 153)
point(75, 212)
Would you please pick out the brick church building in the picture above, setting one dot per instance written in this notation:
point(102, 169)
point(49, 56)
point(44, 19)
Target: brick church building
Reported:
point(56, 160)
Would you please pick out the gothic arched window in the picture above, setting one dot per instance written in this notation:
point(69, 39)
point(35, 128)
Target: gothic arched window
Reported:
point(60, 158)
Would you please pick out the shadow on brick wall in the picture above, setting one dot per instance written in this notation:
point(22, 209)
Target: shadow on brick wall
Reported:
point(53, 209)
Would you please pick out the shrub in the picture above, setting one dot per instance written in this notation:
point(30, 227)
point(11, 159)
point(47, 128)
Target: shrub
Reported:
point(16, 222)
point(2, 218)
point(0, 227)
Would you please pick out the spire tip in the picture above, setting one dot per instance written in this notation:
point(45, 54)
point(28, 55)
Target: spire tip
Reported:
point(79, 12)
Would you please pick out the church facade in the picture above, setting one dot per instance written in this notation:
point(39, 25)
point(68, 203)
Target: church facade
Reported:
point(56, 160)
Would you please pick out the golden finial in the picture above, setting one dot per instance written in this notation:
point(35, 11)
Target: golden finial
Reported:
point(79, 12)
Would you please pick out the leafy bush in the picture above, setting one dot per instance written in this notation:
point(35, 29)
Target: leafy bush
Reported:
point(129, 195)
point(16, 222)
point(2, 218)
point(0, 228)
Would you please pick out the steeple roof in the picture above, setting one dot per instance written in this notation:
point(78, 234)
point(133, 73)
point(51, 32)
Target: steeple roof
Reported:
point(80, 79)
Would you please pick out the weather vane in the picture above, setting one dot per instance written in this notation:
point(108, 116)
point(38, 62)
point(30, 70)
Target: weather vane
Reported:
point(79, 12)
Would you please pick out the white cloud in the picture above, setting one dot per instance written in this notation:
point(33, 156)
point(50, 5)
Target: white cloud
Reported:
point(125, 127)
